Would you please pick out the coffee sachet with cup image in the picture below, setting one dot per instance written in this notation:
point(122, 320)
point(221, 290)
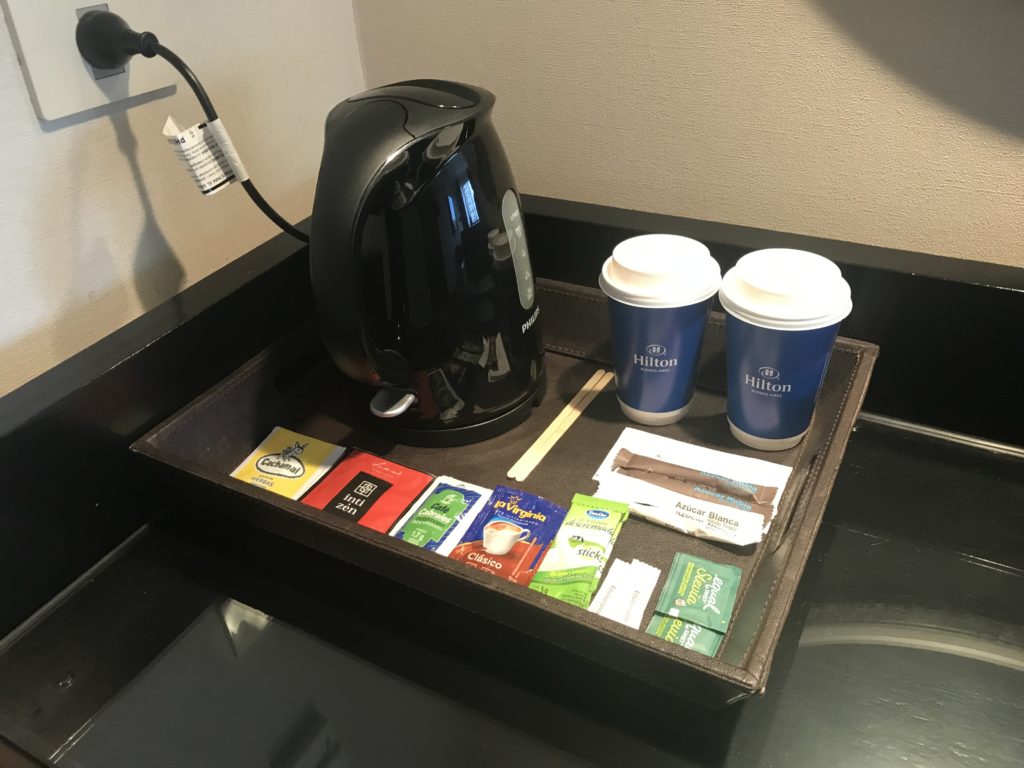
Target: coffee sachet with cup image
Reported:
point(572, 568)
point(510, 535)
point(700, 591)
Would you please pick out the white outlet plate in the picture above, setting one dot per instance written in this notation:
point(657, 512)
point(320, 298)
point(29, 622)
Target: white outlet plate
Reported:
point(60, 82)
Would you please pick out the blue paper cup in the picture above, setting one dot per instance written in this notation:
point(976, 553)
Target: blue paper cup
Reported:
point(783, 309)
point(660, 289)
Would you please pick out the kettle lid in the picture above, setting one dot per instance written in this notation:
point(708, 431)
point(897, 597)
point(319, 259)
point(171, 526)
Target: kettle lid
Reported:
point(442, 94)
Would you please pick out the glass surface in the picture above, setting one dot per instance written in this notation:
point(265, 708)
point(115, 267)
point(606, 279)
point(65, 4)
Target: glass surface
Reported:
point(240, 689)
point(905, 646)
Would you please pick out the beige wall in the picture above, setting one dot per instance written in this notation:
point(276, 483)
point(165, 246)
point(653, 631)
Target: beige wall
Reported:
point(98, 220)
point(894, 124)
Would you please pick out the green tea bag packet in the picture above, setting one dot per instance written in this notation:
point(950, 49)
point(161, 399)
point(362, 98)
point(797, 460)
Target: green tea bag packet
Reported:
point(685, 634)
point(572, 567)
point(700, 591)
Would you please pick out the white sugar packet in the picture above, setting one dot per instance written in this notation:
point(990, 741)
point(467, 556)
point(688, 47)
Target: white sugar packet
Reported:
point(625, 592)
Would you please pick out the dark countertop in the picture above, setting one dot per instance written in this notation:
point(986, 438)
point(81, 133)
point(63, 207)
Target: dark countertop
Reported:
point(214, 645)
point(905, 645)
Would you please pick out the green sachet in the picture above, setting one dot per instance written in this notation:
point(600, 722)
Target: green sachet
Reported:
point(685, 634)
point(572, 567)
point(700, 591)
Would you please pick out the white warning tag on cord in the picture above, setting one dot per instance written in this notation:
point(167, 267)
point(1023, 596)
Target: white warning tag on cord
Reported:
point(208, 154)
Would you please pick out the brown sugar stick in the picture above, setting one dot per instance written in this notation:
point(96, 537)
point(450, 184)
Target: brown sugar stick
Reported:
point(626, 460)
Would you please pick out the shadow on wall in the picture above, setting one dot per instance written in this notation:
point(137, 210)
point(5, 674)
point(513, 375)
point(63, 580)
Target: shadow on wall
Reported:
point(157, 273)
point(970, 55)
point(74, 304)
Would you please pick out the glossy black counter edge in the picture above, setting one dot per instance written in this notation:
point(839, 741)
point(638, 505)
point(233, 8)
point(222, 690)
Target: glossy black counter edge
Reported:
point(949, 329)
point(58, 520)
point(96, 403)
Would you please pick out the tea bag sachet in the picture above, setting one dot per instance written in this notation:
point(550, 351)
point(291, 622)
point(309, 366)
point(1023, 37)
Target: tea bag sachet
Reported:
point(369, 490)
point(288, 463)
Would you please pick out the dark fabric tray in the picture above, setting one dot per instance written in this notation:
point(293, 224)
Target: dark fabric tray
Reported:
point(292, 384)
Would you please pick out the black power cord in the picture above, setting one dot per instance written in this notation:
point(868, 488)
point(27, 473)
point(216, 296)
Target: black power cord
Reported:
point(107, 42)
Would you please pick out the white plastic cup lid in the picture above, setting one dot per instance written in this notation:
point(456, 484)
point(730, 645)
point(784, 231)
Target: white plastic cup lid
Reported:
point(786, 289)
point(660, 271)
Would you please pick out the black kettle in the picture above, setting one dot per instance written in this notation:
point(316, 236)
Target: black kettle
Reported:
point(420, 269)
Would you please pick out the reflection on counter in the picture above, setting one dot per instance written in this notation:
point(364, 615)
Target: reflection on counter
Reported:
point(265, 693)
point(243, 623)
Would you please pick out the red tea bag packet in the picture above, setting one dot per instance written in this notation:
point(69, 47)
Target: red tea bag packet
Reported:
point(372, 491)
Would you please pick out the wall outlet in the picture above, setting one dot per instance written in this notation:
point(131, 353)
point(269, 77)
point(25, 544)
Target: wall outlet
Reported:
point(59, 81)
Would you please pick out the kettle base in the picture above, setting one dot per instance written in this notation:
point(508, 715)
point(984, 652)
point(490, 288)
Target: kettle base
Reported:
point(451, 437)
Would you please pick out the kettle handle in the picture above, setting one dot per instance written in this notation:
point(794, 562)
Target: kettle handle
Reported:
point(360, 138)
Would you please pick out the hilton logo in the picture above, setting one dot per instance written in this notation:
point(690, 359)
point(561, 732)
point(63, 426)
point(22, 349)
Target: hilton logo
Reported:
point(655, 358)
point(765, 380)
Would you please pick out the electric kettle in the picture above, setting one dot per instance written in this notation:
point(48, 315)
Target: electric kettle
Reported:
point(419, 263)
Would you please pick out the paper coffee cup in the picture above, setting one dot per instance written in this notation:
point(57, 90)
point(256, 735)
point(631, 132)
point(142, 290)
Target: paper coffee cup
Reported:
point(660, 289)
point(783, 309)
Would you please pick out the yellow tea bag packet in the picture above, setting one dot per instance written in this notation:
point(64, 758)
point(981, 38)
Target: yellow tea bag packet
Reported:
point(288, 463)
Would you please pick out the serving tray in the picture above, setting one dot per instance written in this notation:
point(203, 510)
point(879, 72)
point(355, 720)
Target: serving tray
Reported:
point(293, 384)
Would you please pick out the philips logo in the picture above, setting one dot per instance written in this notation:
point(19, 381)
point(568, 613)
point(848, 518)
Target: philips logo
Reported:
point(655, 349)
point(767, 372)
point(533, 319)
